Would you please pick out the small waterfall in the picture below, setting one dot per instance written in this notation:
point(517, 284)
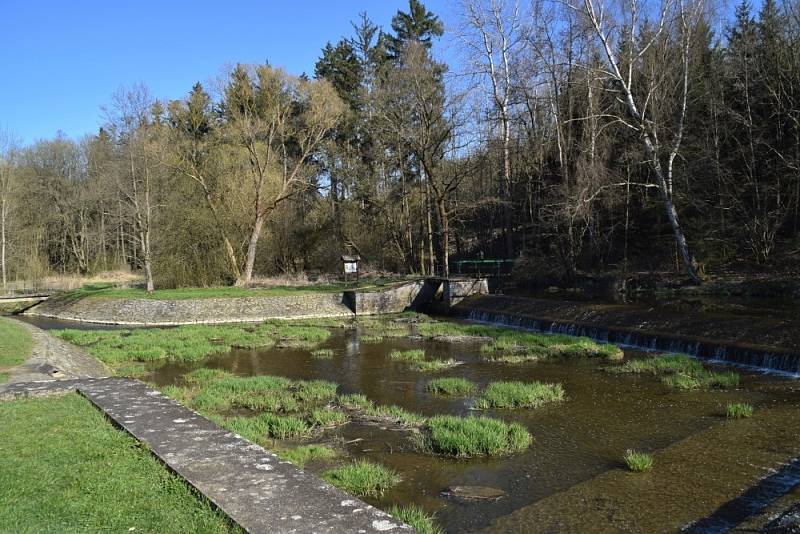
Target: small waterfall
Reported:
point(783, 362)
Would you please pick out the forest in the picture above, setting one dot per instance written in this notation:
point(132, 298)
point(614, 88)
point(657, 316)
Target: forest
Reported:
point(570, 136)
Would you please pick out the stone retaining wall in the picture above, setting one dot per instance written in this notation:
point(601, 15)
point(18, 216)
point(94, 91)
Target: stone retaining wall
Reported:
point(141, 312)
point(394, 300)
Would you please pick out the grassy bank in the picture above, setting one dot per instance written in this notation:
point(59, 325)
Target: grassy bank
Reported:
point(108, 291)
point(66, 469)
point(16, 343)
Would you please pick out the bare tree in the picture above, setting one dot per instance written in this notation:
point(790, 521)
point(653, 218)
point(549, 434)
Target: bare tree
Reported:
point(493, 33)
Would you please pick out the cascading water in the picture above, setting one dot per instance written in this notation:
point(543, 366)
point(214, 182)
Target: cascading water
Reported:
point(783, 362)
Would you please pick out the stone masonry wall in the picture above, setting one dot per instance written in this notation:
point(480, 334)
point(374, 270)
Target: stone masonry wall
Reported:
point(140, 312)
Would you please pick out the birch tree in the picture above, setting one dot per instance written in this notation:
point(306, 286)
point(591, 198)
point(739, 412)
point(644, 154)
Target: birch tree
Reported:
point(625, 38)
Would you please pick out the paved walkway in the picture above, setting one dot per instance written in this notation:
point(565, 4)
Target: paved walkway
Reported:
point(52, 358)
point(256, 489)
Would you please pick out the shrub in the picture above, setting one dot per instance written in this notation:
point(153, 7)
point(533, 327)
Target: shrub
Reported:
point(738, 410)
point(417, 518)
point(362, 478)
point(472, 436)
point(451, 386)
point(519, 395)
point(638, 461)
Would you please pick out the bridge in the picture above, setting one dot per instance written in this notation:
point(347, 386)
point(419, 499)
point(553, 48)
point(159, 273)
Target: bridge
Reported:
point(434, 294)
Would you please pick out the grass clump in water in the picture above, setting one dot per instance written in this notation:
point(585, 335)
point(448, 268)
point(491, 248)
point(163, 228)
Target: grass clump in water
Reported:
point(356, 402)
point(638, 461)
point(322, 354)
point(451, 386)
point(434, 365)
point(681, 372)
point(702, 379)
point(370, 338)
point(417, 518)
point(327, 418)
point(304, 454)
point(413, 355)
point(519, 395)
point(738, 410)
point(466, 437)
point(268, 425)
point(362, 478)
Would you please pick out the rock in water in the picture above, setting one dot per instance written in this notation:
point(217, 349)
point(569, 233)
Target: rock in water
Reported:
point(474, 493)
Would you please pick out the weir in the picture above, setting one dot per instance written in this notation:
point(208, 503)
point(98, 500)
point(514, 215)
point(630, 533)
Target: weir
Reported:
point(761, 357)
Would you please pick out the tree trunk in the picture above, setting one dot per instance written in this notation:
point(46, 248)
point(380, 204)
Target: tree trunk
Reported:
point(445, 223)
point(247, 276)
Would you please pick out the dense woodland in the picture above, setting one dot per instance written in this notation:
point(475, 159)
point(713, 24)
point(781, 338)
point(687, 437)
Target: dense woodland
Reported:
point(572, 136)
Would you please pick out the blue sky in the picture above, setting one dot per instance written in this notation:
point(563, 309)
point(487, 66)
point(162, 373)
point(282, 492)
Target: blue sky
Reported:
point(60, 61)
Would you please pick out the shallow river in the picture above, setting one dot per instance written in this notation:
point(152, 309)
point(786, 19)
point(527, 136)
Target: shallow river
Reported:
point(604, 415)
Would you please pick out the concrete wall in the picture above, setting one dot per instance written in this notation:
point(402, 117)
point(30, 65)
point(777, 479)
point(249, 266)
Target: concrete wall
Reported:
point(394, 300)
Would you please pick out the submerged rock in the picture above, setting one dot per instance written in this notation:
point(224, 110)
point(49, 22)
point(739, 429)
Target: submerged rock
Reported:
point(474, 493)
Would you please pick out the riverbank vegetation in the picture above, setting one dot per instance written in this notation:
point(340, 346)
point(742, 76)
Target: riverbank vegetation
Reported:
point(456, 387)
point(465, 437)
point(189, 343)
point(362, 478)
point(62, 458)
point(568, 161)
point(417, 518)
point(679, 371)
point(638, 461)
point(738, 410)
point(519, 395)
point(16, 344)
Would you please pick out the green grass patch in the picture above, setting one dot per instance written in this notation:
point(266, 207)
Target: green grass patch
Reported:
point(465, 437)
point(434, 365)
point(679, 371)
point(106, 291)
point(188, 343)
point(322, 354)
point(516, 346)
point(738, 410)
point(638, 461)
point(362, 478)
point(370, 338)
point(16, 344)
point(702, 380)
point(356, 402)
point(669, 363)
point(67, 469)
point(460, 387)
point(264, 426)
point(304, 454)
point(519, 395)
point(417, 518)
point(413, 355)
point(327, 418)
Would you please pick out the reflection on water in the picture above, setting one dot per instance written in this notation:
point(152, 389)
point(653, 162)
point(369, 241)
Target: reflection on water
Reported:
point(604, 415)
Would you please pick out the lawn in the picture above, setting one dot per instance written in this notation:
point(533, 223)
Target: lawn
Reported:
point(108, 291)
point(16, 343)
point(67, 469)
